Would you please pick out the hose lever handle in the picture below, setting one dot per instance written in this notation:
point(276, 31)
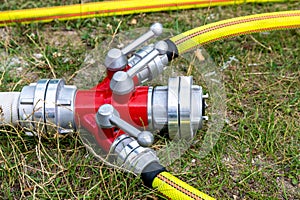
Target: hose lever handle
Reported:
point(156, 29)
point(108, 117)
point(160, 48)
point(116, 59)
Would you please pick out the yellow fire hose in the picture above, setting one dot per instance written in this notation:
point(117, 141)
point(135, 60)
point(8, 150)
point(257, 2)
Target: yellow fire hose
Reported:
point(164, 182)
point(173, 188)
point(236, 26)
point(167, 184)
point(109, 8)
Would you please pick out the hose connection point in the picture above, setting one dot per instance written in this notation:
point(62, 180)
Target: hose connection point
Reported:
point(178, 106)
point(128, 153)
point(149, 62)
point(48, 105)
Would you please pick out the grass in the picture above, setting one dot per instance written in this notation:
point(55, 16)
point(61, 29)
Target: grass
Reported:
point(256, 157)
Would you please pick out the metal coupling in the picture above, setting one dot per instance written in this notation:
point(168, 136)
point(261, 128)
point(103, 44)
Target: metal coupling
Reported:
point(47, 105)
point(146, 64)
point(127, 153)
point(151, 67)
point(179, 106)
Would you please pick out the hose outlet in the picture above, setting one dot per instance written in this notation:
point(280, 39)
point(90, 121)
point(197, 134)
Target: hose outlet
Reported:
point(127, 153)
point(179, 106)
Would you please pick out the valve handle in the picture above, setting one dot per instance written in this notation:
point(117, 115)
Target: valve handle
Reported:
point(160, 48)
point(108, 117)
point(116, 59)
point(155, 30)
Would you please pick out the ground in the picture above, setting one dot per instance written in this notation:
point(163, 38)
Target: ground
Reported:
point(256, 156)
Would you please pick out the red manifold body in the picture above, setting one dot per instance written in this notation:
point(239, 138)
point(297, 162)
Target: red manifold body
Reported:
point(87, 103)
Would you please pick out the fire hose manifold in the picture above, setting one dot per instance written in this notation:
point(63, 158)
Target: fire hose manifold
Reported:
point(116, 111)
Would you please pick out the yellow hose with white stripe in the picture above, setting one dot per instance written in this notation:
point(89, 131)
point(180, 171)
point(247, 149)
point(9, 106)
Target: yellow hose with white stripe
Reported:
point(110, 8)
point(173, 188)
point(234, 27)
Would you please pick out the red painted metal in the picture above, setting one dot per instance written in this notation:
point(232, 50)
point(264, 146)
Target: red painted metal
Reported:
point(87, 102)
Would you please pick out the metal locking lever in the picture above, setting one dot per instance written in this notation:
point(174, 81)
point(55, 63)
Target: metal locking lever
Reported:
point(159, 48)
point(108, 117)
point(155, 30)
point(116, 59)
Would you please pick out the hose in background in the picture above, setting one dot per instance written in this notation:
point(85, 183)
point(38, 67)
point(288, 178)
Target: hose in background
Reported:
point(110, 8)
point(234, 27)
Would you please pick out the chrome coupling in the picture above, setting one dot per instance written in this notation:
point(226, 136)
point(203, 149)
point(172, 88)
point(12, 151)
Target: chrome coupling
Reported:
point(126, 152)
point(180, 107)
point(153, 68)
point(47, 105)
